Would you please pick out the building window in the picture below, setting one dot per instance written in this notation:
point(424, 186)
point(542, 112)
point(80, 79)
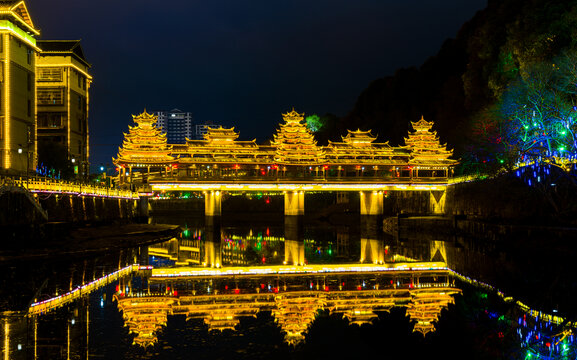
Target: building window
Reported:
point(29, 55)
point(49, 74)
point(29, 108)
point(50, 120)
point(29, 81)
point(50, 96)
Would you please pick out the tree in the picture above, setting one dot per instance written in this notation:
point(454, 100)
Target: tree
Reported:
point(538, 110)
point(314, 122)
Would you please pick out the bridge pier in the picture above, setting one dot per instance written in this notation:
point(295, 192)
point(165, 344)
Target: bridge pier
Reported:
point(371, 202)
point(294, 244)
point(437, 201)
point(294, 203)
point(372, 241)
point(212, 203)
point(213, 242)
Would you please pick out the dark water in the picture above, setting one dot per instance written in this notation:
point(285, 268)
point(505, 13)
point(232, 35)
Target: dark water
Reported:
point(498, 289)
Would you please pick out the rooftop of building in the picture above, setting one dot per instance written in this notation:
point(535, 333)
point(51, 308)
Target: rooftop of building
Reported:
point(17, 8)
point(63, 47)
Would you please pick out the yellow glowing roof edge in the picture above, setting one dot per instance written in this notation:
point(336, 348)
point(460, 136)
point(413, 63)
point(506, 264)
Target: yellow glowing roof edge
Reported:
point(20, 19)
point(19, 33)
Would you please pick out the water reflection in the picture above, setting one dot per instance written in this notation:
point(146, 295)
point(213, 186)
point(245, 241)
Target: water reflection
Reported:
point(215, 278)
point(293, 299)
point(213, 245)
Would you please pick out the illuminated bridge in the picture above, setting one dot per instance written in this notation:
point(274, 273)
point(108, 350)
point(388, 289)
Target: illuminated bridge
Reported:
point(292, 164)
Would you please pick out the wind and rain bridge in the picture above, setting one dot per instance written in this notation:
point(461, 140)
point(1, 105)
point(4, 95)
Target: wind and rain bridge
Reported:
point(292, 163)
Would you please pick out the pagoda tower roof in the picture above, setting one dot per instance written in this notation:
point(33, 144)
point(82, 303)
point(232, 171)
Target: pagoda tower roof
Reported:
point(359, 137)
point(144, 144)
point(295, 143)
point(425, 146)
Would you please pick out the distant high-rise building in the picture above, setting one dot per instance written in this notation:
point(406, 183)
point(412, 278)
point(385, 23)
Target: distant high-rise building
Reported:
point(18, 51)
point(63, 84)
point(201, 129)
point(177, 125)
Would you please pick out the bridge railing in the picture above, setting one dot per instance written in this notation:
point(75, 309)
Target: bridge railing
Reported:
point(466, 178)
point(292, 179)
point(47, 185)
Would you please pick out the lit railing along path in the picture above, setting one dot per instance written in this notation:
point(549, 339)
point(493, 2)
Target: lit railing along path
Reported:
point(295, 270)
point(303, 186)
point(44, 306)
point(42, 185)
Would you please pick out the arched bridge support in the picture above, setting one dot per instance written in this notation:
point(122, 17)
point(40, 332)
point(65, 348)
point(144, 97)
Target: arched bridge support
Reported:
point(371, 202)
point(294, 203)
point(212, 203)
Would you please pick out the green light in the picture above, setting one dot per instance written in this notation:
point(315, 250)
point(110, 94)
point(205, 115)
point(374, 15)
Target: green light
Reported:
point(314, 122)
point(23, 35)
point(501, 161)
point(562, 148)
point(185, 232)
point(563, 132)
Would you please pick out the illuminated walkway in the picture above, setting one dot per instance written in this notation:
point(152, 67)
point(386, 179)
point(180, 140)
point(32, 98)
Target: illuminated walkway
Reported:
point(272, 185)
point(44, 185)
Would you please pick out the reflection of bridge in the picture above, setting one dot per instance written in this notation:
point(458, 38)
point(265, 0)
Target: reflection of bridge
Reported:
point(293, 295)
point(220, 249)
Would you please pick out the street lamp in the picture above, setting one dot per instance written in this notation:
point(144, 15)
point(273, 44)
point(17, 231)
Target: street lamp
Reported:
point(20, 151)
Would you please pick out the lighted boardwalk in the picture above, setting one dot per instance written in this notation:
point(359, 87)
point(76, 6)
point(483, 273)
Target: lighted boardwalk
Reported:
point(46, 185)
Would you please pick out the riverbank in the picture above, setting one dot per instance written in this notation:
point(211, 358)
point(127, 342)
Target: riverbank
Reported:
point(63, 239)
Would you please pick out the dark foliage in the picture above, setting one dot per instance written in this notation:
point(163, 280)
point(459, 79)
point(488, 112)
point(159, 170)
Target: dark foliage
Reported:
point(468, 75)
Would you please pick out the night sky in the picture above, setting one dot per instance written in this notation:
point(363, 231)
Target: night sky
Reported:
point(241, 63)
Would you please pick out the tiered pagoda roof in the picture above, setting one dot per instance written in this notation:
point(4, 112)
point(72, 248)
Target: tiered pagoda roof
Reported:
point(426, 306)
point(425, 146)
point(219, 315)
point(145, 317)
point(295, 143)
point(145, 144)
point(295, 314)
point(359, 138)
point(359, 307)
point(221, 145)
point(359, 147)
